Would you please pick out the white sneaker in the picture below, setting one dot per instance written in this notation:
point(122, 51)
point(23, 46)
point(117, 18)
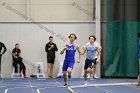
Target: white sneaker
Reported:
point(85, 84)
point(95, 77)
point(92, 78)
point(88, 76)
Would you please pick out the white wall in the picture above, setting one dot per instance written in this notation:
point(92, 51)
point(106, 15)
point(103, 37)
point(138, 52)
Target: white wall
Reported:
point(46, 10)
point(32, 40)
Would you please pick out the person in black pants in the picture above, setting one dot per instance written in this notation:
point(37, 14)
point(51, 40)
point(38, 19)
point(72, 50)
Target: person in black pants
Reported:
point(17, 59)
point(2, 46)
point(50, 48)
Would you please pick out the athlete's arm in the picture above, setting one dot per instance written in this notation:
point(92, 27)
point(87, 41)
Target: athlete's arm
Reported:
point(99, 54)
point(64, 48)
point(78, 49)
point(84, 50)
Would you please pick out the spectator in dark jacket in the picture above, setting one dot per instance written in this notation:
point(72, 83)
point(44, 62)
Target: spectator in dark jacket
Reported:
point(2, 47)
point(50, 48)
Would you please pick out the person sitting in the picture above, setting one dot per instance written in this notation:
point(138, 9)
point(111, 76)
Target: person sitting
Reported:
point(17, 59)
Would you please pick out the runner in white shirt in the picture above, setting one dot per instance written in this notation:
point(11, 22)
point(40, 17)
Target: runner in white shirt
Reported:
point(93, 74)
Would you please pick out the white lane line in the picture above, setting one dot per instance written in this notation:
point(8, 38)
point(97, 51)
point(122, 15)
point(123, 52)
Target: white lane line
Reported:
point(106, 90)
point(31, 86)
point(6, 90)
point(15, 84)
point(69, 88)
point(96, 85)
point(58, 82)
point(114, 84)
point(38, 90)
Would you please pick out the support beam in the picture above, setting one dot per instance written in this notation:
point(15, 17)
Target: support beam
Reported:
point(98, 28)
point(28, 10)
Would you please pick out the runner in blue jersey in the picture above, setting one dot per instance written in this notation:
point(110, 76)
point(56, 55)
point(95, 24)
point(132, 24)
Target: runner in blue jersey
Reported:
point(91, 48)
point(69, 60)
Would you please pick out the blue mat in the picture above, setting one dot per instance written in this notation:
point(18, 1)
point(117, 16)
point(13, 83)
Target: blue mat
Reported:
point(75, 85)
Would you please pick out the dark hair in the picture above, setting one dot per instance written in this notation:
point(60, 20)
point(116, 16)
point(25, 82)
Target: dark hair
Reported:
point(139, 35)
point(92, 36)
point(16, 44)
point(73, 34)
point(50, 37)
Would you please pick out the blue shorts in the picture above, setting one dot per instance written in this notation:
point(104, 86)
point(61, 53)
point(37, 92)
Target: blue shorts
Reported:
point(68, 64)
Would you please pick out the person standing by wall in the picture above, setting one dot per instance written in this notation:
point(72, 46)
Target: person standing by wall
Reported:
point(2, 46)
point(50, 48)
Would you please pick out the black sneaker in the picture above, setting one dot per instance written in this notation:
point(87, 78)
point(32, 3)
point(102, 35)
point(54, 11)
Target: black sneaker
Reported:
point(65, 84)
point(69, 76)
